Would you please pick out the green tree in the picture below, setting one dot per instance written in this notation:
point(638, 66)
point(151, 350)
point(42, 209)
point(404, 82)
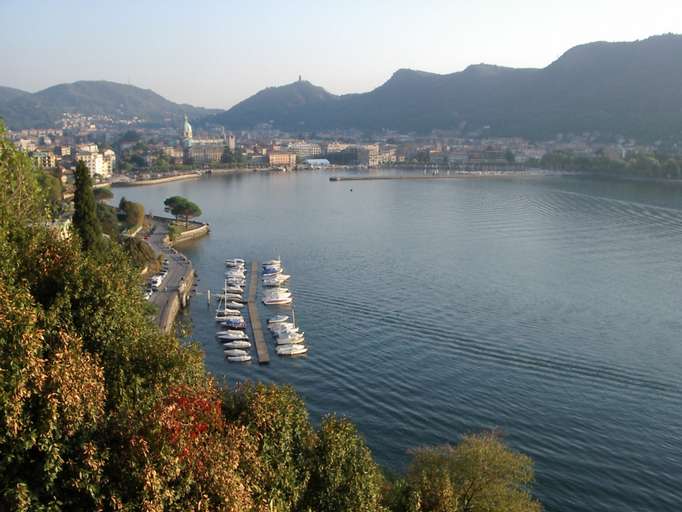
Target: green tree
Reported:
point(480, 474)
point(85, 213)
point(53, 191)
point(134, 213)
point(277, 421)
point(103, 193)
point(182, 207)
point(344, 475)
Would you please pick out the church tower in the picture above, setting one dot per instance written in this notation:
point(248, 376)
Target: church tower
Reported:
point(187, 134)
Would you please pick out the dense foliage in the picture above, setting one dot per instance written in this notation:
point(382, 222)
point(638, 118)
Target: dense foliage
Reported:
point(182, 207)
point(85, 218)
point(133, 213)
point(99, 410)
point(632, 165)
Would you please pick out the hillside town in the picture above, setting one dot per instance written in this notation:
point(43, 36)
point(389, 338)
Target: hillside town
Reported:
point(131, 149)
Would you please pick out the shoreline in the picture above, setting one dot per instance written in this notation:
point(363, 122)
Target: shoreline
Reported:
point(156, 181)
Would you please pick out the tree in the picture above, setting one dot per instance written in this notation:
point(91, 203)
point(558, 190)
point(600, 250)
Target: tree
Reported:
point(478, 475)
point(344, 475)
point(85, 214)
point(103, 193)
point(509, 156)
point(53, 191)
point(134, 213)
point(182, 207)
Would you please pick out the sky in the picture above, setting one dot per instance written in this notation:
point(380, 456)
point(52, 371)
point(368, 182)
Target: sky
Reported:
point(217, 53)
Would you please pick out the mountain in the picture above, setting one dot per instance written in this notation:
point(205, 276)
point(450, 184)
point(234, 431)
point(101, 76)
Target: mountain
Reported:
point(118, 101)
point(628, 88)
point(10, 93)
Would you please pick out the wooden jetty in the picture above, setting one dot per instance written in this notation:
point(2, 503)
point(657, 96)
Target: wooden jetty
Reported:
point(256, 326)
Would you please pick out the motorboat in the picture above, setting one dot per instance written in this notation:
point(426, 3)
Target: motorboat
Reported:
point(235, 275)
point(235, 322)
point(224, 314)
point(277, 301)
point(231, 334)
point(233, 289)
point(273, 263)
point(234, 262)
point(233, 304)
point(277, 294)
point(276, 277)
point(291, 350)
point(230, 296)
point(278, 319)
point(240, 344)
point(233, 352)
point(239, 359)
point(281, 329)
point(295, 337)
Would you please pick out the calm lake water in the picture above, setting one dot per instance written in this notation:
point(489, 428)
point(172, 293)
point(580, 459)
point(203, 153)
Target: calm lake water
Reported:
point(549, 308)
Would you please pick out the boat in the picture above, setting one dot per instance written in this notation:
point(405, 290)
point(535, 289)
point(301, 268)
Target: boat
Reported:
point(224, 314)
point(230, 296)
point(239, 359)
point(235, 322)
point(231, 334)
point(283, 328)
point(277, 301)
point(291, 350)
point(279, 293)
point(234, 262)
point(233, 304)
point(235, 352)
point(295, 337)
point(278, 319)
point(273, 263)
point(240, 344)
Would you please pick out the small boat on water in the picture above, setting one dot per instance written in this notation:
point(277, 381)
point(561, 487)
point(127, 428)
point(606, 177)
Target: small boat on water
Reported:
point(278, 319)
point(230, 296)
point(291, 350)
point(277, 301)
point(233, 304)
point(233, 289)
point(239, 359)
point(289, 340)
point(273, 263)
point(240, 344)
point(231, 334)
point(283, 328)
point(235, 322)
point(233, 352)
point(234, 262)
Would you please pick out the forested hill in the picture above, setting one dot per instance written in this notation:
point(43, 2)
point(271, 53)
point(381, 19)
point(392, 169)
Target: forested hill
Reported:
point(118, 101)
point(628, 88)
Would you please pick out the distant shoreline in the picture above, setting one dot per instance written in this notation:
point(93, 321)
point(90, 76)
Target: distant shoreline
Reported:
point(156, 181)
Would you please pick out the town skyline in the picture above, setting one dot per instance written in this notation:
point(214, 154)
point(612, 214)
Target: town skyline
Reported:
point(226, 47)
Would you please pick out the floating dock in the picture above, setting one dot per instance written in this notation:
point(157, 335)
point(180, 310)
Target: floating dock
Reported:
point(256, 326)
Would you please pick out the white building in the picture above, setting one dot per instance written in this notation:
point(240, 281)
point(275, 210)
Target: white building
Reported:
point(100, 165)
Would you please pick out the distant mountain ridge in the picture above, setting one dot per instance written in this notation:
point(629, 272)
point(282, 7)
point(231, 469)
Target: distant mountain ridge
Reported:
point(21, 109)
point(628, 88)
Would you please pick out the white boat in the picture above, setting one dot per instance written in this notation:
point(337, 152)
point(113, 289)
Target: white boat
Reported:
point(273, 263)
point(234, 322)
point(233, 304)
point(234, 262)
point(278, 319)
point(233, 289)
point(291, 350)
point(277, 301)
point(281, 329)
point(235, 276)
point(289, 340)
point(233, 352)
point(240, 344)
point(278, 295)
point(231, 334)
point(230, 296)
point(224, 314)
point(277, 278)
point(239, 359)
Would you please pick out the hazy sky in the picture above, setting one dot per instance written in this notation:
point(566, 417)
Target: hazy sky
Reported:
point(216, 53)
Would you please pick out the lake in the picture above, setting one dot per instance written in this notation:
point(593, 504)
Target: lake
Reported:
point(549, 308)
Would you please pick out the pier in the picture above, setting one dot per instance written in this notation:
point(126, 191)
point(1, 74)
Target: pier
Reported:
point(254, 318)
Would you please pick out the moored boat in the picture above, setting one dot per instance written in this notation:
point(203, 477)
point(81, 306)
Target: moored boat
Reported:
point(291, 350)
point(239, 344)
point(239, 359)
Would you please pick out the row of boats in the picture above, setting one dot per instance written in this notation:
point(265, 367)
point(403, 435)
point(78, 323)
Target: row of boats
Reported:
point(232, 326)
point(288, 337)
point(232, 333)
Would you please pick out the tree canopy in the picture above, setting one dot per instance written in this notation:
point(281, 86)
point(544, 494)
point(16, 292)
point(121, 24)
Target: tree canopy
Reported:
point(182, 207)
point(85, 209)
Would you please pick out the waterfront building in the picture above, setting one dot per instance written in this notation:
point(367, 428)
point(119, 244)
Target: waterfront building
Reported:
point(231, 141)
point(205, 152)
point(281, 159)
point(304, 149)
